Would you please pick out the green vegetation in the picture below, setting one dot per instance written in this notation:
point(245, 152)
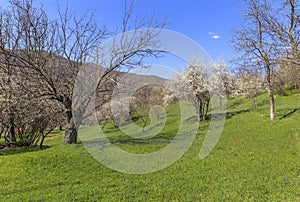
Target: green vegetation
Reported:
point(255, 160)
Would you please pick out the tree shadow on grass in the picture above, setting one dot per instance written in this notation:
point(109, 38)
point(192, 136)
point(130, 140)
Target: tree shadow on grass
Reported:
point(235, 104)
point(234, 113)
point(18, 150)
point(161, 138)
point(263, 103)
point(290, 113)
point(121, 141)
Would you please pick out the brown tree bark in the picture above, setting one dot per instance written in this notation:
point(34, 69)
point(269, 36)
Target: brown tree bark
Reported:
point(12, 135)
point(71, 130)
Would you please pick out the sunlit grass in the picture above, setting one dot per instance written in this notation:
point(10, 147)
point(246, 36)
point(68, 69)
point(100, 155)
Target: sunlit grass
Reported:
point(254, 160)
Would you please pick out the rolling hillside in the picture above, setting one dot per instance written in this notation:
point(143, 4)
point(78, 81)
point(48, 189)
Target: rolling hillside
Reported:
point(254, 160)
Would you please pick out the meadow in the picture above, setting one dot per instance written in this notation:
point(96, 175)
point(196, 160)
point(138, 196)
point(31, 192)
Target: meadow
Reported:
point(255, 160)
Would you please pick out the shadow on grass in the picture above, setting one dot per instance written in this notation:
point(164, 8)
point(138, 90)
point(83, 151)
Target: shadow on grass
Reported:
point(140, 141)
point(263, 103)
point(234, 113)
point(228, 115)
point(290, 113)
point(121, 141)
point(55, 132)
point(161, 138)
point(235, 104)
point(18, 150)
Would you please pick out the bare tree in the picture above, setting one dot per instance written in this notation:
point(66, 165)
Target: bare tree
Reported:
point(270, 38)
point(284, 25)
point(125, 53)
point(24, 118)
point(77, 37)
point(51, 52)
point(254, 42)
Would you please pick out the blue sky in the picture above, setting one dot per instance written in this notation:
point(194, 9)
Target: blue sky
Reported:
point(209, 23)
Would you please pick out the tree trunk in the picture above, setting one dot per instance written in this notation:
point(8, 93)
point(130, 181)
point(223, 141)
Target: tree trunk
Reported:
point(206, 108)
point(270, 89)
point(272, 104)
point(199, 117)
point(42, 140)
point(254, 103)
point(71, 130)
point(12, 135)
point(199, 111)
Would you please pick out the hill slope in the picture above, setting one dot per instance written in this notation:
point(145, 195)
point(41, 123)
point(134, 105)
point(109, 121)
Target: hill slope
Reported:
point(254, 160)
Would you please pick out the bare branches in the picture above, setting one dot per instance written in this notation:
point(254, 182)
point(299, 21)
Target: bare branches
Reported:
point(267, 38)
point(42, 57)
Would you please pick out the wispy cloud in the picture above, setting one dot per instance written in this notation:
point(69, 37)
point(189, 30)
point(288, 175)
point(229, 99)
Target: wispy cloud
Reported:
point(214, 35)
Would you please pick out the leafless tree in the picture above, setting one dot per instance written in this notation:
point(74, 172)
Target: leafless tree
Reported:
point(283, 23)
point(50, 52)
point(269, 38)
point(254, 42)
point(285, 27)
point(24, 118)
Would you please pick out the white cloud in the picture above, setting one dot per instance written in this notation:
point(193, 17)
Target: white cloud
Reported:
point(216, 36)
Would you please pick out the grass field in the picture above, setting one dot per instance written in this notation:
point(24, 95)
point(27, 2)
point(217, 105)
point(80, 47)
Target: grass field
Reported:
point(254, 160)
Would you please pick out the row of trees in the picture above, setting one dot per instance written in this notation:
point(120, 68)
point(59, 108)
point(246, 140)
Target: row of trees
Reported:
point(41, 57)
point(268, 57)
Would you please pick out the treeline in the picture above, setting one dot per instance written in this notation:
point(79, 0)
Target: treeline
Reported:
point(40, 59)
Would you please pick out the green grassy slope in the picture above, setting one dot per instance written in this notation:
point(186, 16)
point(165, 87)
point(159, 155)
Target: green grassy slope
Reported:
point(254, 160)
